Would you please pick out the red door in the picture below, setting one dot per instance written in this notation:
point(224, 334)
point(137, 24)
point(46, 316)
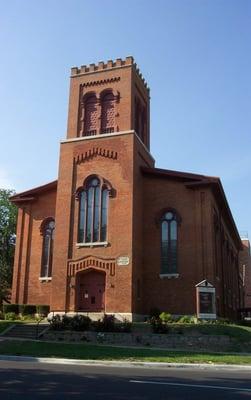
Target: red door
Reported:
point(91, 296)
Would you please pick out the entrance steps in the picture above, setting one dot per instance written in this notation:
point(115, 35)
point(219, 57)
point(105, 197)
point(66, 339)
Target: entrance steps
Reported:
point(26, 331)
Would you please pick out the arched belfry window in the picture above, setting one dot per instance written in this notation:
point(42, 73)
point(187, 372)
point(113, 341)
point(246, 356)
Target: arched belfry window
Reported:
point(90, 115)
point(108, 112)
point(93, 207)
point(169, 241)
point(47, 231)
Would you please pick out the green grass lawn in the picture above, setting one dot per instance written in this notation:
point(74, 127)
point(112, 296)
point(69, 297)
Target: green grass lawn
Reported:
point(94, 352)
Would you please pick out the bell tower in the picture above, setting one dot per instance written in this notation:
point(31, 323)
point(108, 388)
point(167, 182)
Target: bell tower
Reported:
point(106, 98)
point(98, 235)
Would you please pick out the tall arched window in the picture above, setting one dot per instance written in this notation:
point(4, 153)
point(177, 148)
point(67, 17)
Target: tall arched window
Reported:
point(90, 115)
point(107, 113)
point(169, 243)
point(93, 203)
point(47, 230)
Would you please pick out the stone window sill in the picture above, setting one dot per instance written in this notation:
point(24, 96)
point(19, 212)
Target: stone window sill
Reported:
point(92, 244)
point(169, 276)
point(45, 278)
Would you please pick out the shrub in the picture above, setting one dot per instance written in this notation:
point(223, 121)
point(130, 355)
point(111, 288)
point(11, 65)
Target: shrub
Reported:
point(186, 319)
point(125, 326)
point(158, 326)
point(21, 308)
point(76, 323)
point(166, 317)
point(107, 324)
point(27, 317)
point(80, 323)
point(154, 312)
point(43, 309)
point(56, 323)
point(29, 309)
point(10, 316)
point(66, 322)
point(10, 308)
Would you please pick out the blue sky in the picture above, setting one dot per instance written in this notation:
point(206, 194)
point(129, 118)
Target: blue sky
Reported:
point(194, 54)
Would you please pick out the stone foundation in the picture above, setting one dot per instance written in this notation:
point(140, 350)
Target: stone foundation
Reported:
point(169, 341)
point(95, 316)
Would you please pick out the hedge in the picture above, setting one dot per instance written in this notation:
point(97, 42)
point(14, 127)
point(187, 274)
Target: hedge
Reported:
point(43, 309)
point(26, 309)
point(11, 308)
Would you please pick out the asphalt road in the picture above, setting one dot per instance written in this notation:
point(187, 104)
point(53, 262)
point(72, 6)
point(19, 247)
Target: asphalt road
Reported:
point(29, 380)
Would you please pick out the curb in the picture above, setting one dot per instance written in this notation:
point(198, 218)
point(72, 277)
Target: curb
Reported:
point(123, 364)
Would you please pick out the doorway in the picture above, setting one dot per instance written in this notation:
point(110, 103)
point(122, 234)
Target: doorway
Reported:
point(91, 291)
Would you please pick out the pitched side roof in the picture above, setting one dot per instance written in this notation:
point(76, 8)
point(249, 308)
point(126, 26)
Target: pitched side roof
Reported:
point(196, 180)
point(30, 195)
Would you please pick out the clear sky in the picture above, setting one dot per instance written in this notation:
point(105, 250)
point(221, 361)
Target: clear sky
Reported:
point(194, 54)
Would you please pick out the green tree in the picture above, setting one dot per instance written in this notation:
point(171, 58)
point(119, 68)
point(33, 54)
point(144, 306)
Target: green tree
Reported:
point(8, 220)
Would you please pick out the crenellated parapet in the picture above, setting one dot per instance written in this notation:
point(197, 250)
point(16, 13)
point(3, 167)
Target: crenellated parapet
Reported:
point(109, 65)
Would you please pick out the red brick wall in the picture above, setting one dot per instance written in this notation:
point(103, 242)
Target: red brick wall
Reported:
point(245, 267)
point(118, 171)
point(27, 288)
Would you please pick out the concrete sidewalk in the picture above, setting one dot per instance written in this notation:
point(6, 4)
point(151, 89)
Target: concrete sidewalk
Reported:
point(124, 364)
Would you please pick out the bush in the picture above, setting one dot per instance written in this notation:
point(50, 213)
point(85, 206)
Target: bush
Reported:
point(154, 312)
point(10, 316)
point(56, 323)
point(11, 308)
point(43, 309)
point(125, 326)
point(80, 323)
point(186, 319)
point(29, 309)
point(166, 317)
point(107, 324)
point(76, 323)
point(158, 326)
point(27, 317)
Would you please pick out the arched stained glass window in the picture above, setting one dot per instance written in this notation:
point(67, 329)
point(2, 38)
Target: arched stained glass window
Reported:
point(169, 243)
point(93, 204)
point(47, 251)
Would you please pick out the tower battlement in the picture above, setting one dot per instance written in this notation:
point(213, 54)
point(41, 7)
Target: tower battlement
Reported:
point(108, 65)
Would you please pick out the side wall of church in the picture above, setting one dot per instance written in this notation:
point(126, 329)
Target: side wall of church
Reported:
point(196, 253)
point(175, 295)
point(27, 287)
point(245, 268)
point(223, 261)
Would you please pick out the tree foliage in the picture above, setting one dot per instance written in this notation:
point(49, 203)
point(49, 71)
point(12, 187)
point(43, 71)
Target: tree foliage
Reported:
point(8, 220)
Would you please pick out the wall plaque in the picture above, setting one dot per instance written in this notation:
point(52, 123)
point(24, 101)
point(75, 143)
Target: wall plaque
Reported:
point(123, 260)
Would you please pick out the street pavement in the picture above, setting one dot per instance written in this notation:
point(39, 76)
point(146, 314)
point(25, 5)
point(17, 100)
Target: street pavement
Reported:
point(28, 380)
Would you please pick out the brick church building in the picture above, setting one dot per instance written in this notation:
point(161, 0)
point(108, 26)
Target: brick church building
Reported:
point(113, 233)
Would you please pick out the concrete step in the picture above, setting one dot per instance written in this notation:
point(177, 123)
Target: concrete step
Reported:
point(28, 331)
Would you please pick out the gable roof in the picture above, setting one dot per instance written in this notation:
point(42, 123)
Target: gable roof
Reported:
point(196, 180)
point(30, 195)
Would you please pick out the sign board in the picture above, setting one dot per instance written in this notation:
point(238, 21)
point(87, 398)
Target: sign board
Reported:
point(205, 300)
point(123, 260)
